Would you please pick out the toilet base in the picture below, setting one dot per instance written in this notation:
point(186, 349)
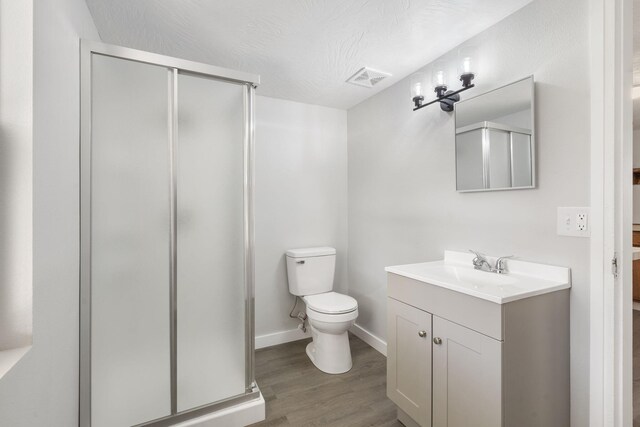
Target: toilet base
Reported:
point(333, 355)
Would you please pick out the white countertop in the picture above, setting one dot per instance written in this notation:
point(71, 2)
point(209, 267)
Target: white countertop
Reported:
point(455, 272)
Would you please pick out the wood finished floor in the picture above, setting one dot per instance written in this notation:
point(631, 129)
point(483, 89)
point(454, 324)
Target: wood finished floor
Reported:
point(298, 394)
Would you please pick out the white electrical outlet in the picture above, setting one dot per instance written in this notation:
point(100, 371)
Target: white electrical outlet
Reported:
point(581, 222)
point(573, 222)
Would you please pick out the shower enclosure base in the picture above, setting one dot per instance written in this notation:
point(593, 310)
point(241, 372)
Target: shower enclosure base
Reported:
point(242, 414)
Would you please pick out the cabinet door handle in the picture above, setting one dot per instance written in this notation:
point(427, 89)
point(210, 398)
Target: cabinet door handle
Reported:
point(422, 334)
point(437, 340)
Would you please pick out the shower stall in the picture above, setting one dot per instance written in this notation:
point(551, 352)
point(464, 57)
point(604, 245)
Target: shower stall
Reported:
point(166, 250)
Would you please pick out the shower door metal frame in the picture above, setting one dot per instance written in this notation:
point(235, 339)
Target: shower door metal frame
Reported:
point(174, 66)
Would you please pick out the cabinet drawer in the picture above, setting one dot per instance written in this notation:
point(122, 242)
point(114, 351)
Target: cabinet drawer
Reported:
point(474, 313)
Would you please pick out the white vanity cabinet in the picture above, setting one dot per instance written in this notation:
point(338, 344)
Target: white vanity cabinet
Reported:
point(461, 360)
point(437, 365)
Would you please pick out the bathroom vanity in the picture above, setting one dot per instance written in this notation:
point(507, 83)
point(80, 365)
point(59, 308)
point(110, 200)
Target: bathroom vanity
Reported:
point(475, 348)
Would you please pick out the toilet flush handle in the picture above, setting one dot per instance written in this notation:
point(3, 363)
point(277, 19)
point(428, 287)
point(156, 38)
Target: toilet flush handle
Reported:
point(300, 262)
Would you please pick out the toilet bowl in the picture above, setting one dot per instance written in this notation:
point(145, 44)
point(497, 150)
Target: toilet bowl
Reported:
point(330, 314)
point(330, 350)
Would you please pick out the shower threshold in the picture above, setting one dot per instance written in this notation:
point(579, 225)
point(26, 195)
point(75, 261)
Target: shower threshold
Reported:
point(236, 411)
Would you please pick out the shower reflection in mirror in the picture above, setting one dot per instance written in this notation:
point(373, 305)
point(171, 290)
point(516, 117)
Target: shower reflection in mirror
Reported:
point(495, 144)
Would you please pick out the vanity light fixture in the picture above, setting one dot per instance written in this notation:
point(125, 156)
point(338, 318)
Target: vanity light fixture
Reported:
point(445, 97)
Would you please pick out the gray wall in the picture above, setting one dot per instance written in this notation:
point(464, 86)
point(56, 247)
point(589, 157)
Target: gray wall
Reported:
point(301, 198)
point(42, 389)
point(403, 207)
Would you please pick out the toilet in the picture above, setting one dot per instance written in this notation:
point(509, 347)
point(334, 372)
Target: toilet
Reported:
point(330, 314)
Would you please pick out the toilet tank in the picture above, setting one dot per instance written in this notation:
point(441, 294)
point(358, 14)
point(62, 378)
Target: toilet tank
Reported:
point(310, 270)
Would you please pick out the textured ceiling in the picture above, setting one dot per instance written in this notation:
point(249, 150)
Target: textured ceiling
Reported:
point(304, 50)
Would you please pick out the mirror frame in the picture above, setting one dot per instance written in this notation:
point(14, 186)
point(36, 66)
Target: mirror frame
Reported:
point(534, 163)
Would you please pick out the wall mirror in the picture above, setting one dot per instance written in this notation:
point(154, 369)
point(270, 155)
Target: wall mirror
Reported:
point(495, 144)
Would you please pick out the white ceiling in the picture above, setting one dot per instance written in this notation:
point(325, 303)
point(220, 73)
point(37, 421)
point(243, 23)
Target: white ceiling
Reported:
point(304, 50)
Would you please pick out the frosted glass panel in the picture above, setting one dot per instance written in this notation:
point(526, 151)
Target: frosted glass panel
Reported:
point(210, 244)
point(522, 160)
point(469, 160)
point(499, 159)
point(130, 363)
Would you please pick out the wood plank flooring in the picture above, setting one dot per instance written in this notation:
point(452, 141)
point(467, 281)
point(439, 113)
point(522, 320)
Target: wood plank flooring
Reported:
point(299, 394)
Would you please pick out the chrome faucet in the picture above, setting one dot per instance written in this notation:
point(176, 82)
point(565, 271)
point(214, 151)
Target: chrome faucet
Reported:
point(481, 263)
point(501, 268)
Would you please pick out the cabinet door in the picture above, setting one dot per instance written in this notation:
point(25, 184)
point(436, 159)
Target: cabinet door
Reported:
point(467, 371)
point(409, 360)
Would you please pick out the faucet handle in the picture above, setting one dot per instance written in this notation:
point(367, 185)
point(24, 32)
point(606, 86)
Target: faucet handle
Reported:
point(477, 261)
point(476, 253)
point(500, 268)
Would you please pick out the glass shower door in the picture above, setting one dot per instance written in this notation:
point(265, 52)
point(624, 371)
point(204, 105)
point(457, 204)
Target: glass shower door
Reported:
point(130, 241)
point(210, 241)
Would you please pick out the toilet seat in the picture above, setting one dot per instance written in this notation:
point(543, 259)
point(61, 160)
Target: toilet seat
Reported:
point(330, 303)
point(331, 318)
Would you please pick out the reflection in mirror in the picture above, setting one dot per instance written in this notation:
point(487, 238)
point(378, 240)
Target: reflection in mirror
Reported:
point(495, 145)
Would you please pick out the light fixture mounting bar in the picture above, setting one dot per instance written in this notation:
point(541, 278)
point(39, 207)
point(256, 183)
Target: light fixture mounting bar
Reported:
point(447, 96)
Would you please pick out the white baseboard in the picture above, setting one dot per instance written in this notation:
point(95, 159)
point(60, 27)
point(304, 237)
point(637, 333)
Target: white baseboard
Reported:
point(366, 336)
point(281, 337)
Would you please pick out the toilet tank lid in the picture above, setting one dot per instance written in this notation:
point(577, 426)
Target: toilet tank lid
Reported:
point(309, 252)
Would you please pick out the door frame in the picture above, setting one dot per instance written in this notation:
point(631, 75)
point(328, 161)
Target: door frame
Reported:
point(611, 48)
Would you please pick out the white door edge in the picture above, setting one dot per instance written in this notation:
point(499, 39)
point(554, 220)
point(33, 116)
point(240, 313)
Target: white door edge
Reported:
point(610, 370)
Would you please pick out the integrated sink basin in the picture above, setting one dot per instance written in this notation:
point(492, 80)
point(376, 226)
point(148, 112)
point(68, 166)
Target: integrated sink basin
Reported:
point(522, 280)
point(462, 275)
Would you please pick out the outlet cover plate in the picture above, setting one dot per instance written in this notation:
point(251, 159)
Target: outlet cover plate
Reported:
point(574, 221)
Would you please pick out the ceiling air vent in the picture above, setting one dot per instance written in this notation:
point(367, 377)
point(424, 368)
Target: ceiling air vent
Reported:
point(367, 77)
